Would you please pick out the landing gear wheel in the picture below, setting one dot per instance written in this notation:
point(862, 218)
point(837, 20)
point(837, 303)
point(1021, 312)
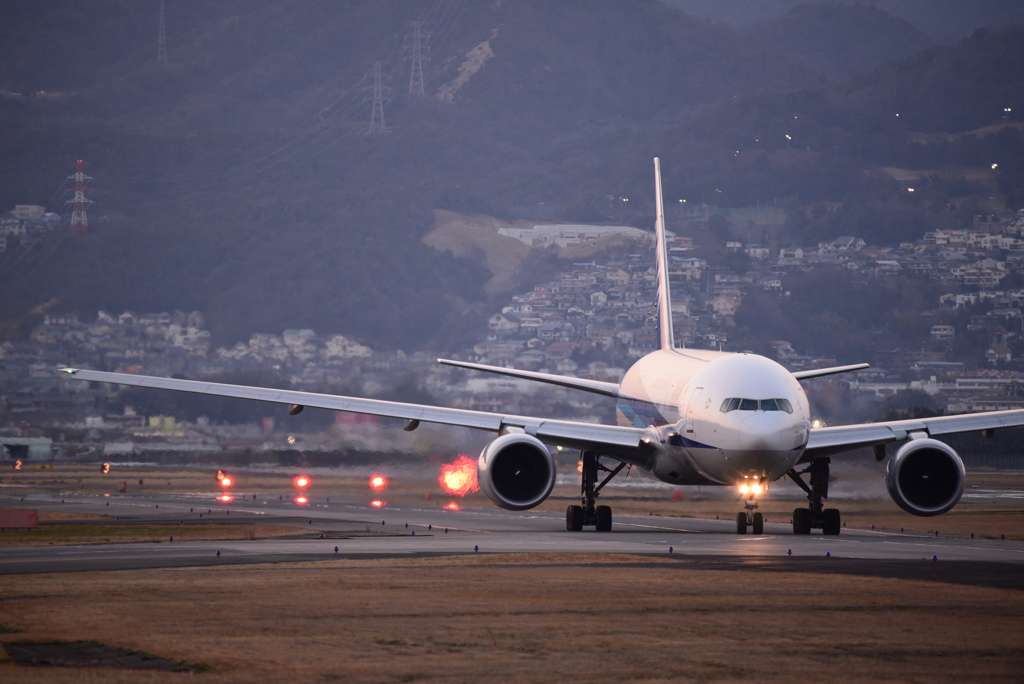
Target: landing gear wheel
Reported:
point(741, 523)
point(758, 523)
point(604, 519)
point(802, 521)
point(574, 518)
point(831, 523)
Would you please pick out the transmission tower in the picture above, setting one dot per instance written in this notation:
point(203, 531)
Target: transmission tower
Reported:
point(380, 93)
point(419, 53)
point(79, 221)
point(161, 45)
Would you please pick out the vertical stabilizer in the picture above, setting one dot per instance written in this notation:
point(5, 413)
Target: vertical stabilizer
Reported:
point(665, 333)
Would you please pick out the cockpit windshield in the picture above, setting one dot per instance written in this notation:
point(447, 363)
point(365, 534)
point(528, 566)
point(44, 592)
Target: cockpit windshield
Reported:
point(737, 404)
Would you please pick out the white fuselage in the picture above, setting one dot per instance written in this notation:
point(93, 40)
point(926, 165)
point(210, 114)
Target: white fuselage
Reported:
point(721, 418)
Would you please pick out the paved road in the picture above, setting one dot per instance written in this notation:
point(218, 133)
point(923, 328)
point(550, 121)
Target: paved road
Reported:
point(358, 530)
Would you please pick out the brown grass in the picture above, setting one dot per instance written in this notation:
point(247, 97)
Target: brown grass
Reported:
point(522, 619)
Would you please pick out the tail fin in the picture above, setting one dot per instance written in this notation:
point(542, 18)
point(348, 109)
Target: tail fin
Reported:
point(666, 335)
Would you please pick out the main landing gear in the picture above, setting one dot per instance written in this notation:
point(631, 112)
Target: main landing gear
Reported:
point(589, 514)
point(815, 516)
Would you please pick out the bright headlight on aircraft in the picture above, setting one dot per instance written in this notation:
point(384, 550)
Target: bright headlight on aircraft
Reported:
point(744, 489)
point(755, 488)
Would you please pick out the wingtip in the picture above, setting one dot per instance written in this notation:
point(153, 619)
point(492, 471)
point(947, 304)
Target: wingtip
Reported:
point(69, 371)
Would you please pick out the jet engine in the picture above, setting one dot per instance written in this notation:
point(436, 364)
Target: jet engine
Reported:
point(516, 471)
point(925, 477)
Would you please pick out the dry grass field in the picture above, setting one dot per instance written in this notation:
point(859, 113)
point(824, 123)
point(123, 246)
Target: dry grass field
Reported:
point(519, 619)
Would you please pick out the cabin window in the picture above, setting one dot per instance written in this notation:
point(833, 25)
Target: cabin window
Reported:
point(748, 404)
point(769, 405)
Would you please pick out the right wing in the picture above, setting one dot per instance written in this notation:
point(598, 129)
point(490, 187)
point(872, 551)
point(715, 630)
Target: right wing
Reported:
point(609, 389)
point(622, 443)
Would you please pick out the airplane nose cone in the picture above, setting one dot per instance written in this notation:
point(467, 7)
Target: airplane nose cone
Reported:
point(760, 431)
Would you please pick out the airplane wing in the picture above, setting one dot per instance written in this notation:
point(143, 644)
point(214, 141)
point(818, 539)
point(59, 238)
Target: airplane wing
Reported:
point(622, 443)
point(836, 440)
point(609, 389)
point(818, 372)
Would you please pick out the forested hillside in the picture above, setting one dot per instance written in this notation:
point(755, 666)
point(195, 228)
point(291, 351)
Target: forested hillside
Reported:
point(239, 179)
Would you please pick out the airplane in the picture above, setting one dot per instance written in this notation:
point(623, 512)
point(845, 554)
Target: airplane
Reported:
point(686, 417)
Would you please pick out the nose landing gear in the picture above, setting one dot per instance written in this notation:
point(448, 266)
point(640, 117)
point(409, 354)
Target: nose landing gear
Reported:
point(749, 518)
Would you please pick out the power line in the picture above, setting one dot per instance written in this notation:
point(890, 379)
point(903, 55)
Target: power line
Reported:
point(377, 124)
point(161, 46)
point(420, 53)
point(79, 220)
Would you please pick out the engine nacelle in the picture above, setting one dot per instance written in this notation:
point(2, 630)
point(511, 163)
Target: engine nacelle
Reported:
point(925, 477)
point(516, 471)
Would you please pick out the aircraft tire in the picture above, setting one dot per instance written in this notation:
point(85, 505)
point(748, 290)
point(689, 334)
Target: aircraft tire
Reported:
point(574, 518)
point(741, 523)
point(758, 523)
point(832, 524)
point(802, 521)
point(604, 518)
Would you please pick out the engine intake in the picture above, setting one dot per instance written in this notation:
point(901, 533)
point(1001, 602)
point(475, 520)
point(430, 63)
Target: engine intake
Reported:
point(925, 477)
point(516, 472)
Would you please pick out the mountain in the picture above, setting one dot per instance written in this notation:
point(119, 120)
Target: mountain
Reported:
point(839, 41)
point(942, 20)
point(240, 180)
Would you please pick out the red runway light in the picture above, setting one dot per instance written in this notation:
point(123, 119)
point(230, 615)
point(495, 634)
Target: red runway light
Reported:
point(377, 503)
point(459, 476)
point(452, 506)
point(302, 481)
point(301, 500)
point(378, 483)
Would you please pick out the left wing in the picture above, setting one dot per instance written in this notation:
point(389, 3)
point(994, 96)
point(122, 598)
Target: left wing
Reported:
point(836, 440)
point(622, 443)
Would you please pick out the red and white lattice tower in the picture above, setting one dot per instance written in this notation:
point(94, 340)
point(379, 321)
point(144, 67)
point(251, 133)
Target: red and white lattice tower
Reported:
point(79, 221)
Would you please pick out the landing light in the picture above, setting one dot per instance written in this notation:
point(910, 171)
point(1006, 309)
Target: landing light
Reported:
point(301, 500)
point(377, 503)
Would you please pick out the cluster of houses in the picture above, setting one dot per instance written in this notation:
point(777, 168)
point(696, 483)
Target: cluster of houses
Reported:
point(25, 226)
point(973, 258)
point(603, 304)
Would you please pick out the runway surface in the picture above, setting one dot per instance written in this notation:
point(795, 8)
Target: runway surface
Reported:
point(358, 530)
